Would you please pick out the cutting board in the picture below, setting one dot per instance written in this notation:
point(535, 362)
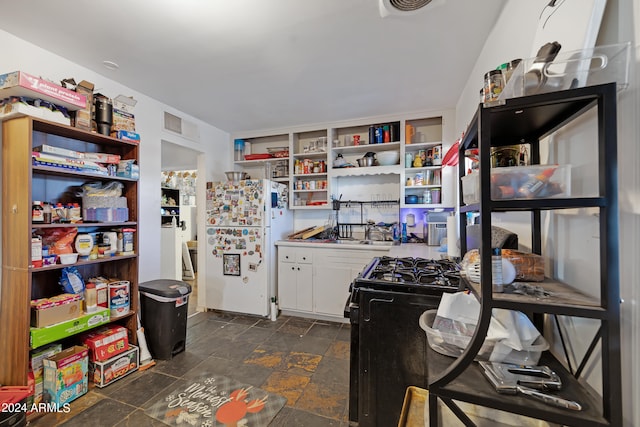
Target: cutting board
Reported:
point(315, 231)
point(298, 234)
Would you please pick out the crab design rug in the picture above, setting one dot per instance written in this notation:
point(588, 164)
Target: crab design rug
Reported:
point(214, 400)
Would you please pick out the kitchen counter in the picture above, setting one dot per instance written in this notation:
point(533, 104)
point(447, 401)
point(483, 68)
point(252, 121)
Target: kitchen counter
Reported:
point(416, 250)
point(341, 244)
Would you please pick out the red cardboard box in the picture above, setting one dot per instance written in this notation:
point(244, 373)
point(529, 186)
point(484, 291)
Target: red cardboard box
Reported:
point(104, 373)
point(106, 342)
point(19, 83)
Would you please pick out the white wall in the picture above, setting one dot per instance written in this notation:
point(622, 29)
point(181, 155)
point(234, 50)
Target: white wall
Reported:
point(511, 38)
point(214, 143)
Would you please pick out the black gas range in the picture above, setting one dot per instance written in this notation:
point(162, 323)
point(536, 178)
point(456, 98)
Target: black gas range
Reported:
point(388, 348)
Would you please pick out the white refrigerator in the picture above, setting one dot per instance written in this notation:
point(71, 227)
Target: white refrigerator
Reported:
point(244, 220)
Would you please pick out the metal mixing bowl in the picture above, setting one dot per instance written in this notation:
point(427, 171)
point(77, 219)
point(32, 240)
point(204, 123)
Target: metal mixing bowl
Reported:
point(236, 176)
point(366, 161)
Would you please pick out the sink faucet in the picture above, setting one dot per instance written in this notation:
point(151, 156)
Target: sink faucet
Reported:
point(367, 231)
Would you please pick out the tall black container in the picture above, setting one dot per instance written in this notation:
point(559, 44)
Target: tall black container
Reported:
point(163, 305)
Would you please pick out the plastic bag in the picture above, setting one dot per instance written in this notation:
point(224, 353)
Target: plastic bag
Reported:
point(511, 336)
point(110, 189)
point(71, 281)
point(529, 267)
point(59, 240)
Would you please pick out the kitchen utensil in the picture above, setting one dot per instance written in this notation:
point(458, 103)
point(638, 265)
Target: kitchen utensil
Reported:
point(508, 382)
point(370, 154)
point(236, 176)
point(387, 158)
point(366, 161)
point(536, 78)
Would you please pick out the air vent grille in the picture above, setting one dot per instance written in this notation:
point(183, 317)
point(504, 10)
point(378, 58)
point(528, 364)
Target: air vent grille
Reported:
point(172, 123)
point(409, 5)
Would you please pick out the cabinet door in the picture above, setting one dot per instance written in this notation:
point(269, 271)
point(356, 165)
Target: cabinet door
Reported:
point(287, 293)
point(304, 285)
point(331, 288)
point(295, 286)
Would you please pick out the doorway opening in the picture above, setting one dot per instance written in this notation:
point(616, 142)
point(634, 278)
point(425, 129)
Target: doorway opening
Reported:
point(178, 210)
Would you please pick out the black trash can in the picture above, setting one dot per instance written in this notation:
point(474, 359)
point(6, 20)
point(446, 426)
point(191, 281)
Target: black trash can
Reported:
point(163, 306)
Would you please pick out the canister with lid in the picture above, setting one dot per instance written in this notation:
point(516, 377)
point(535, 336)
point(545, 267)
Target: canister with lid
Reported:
point(493, 85)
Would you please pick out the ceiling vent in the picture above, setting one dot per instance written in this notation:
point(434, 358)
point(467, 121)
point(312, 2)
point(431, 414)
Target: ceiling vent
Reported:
point(405, 7)
point(182, 127)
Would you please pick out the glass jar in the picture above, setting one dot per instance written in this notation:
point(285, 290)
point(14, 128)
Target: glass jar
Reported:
point(493, 85)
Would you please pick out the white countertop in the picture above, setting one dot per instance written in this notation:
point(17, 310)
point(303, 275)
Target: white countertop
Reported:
point(416, 250)
point(344, 244)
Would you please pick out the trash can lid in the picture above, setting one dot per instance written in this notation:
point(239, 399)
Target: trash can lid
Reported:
point(166, 288)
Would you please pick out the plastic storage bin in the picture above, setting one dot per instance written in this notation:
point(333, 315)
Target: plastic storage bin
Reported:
point(521, 182)
point(573, 69)
point(163, 305)
point(453, 345)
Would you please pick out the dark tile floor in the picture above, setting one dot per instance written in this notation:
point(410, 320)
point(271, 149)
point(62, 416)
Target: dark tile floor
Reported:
point(303, 360)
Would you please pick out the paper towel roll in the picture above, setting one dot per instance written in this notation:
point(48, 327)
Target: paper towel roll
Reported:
point(452, 236)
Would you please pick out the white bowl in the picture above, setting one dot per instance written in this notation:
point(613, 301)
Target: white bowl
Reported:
point(68, 258)
point(388, 158)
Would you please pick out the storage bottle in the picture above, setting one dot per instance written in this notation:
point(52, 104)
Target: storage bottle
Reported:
point(90, 297)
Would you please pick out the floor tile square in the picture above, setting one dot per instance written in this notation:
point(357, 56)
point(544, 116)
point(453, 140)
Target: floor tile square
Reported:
point(302, 363)
point(339, 350)
point(266, 357)
point(328, 400)
point(285, 384)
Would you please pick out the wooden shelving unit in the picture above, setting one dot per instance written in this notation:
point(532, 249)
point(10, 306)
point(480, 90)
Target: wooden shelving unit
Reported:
point(21, 184)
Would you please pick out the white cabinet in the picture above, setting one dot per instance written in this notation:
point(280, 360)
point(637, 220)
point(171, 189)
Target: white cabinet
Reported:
point(295, 277)
point(316, 280)
point(334, 271)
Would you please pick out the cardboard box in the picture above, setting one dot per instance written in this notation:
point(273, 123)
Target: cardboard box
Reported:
point(104, 373)
point(17, 109)
point(124, 103)
point(66, 375)
point(123, 121)
point(102, 157)
point(58, 151)
point(52, 314)
point(49, 334)
point(106, 342)
point(128, 169)
point(125, 135)
point(37, 356)
point(82, 118)
point(18, 83)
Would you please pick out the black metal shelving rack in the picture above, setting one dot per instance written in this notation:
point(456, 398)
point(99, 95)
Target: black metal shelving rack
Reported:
point(529, 120)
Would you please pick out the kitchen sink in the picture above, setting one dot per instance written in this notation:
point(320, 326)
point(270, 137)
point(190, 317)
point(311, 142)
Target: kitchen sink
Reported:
point(366, 242)
point(377, 242)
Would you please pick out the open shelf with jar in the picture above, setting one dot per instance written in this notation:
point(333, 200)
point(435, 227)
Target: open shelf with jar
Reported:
point(256, 151)
point(422, 163)
point(309, 169)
